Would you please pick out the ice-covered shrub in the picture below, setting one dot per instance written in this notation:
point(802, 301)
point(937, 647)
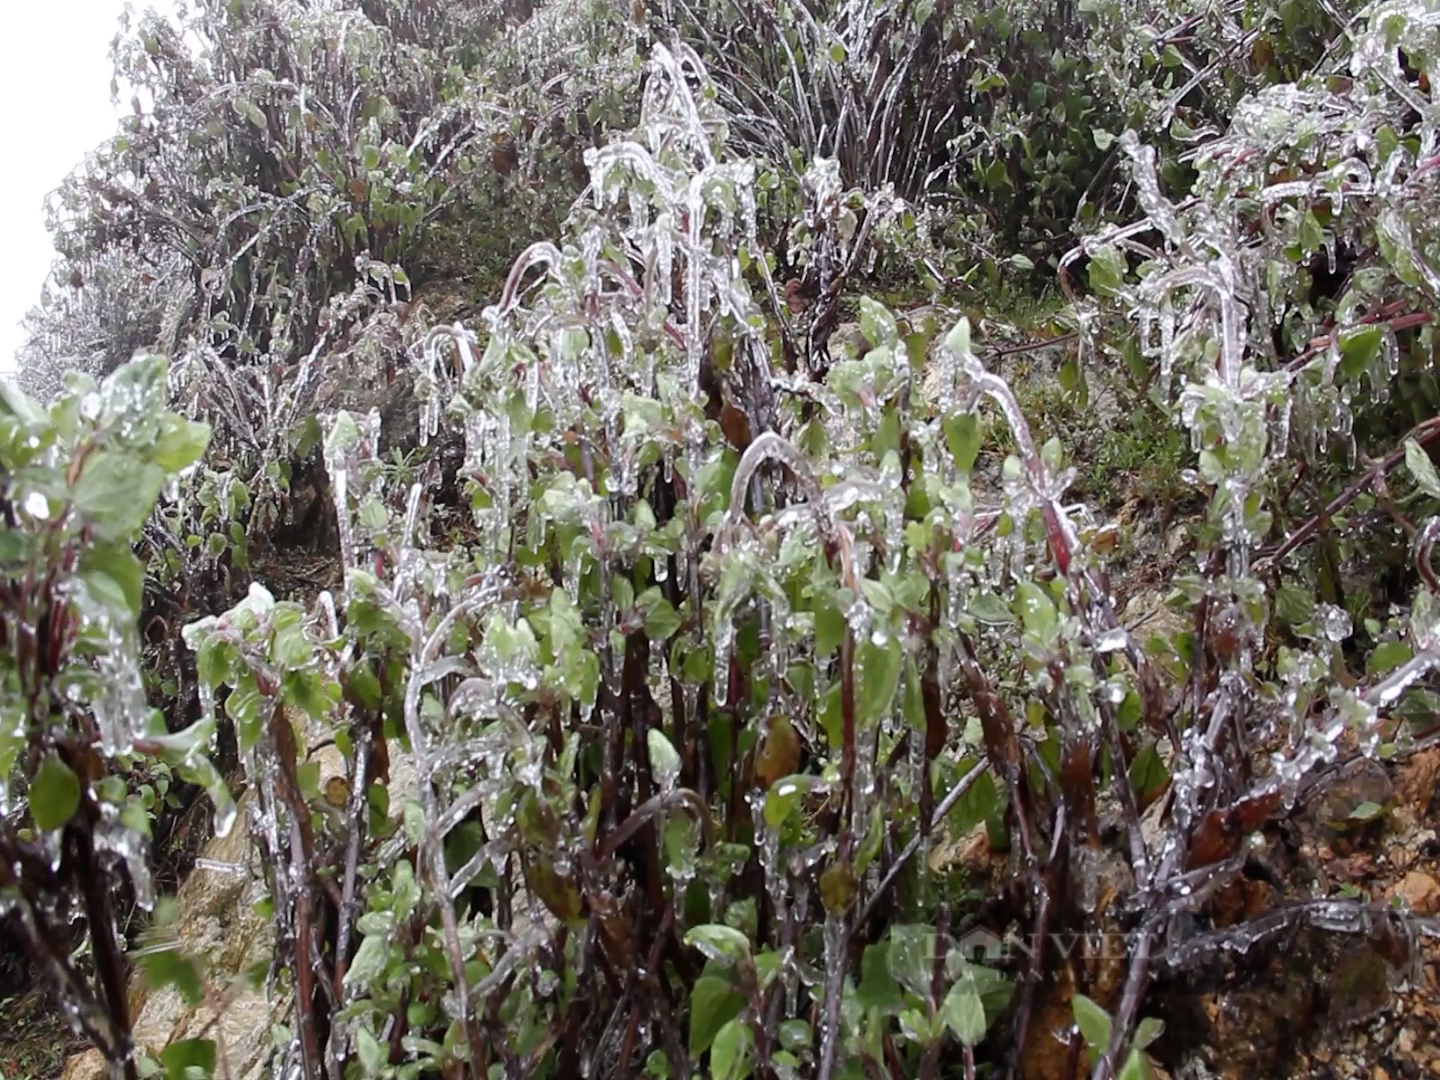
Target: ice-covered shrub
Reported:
point(77, 481)
point(725, 644)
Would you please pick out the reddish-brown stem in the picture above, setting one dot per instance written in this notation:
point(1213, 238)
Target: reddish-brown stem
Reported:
point(1424, 434)
point(1386, 314)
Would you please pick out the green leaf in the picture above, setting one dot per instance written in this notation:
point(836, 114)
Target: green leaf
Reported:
point(1037, 611)
point(179, 1057)
point(181, 443)
point(1388, 655)
point(874, 838)
point(877, 675)
point(1294, 604)
point(170, 967)
point(784, 796)
point(368, 963)
point(730, 1052)
point(1147, 772)
point(1358, 347)
point(115, 577)
point(1147, 1031)
point(1367, 811)
point(963, 1010)
point(796, 1035)
point(1134, 1067)
point(977, 804)
point(661, 618)
point(373, 1057)
point(714, 1002)
point(1094, 1022)
point(54, 794)
point(829, 625)
point(117, 492)
point(962, 436)
point(878, 988)
point(1422, 468)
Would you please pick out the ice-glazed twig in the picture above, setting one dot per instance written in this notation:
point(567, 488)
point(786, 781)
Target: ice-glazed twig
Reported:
point(1424, 433)
point(942, 811)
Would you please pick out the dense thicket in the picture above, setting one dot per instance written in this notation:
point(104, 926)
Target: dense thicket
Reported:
point(699, 621)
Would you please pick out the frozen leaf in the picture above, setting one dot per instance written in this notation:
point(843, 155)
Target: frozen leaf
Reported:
point(877, 676)
point(1294, 604)
point(958, 339)
point(912, 957)
point(838, 886)
point(368, 963)
point(877, 324)
point(987, 607)
point(1107, 270)
point(344, 435)
point(404, 889)
point(664, 761)
point(1358, 348)
point(1037, 611)
point(719, 942)
point(20, 404)
point(1367, 811)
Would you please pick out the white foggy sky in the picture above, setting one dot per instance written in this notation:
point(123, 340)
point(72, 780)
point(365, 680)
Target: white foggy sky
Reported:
point(55, 90)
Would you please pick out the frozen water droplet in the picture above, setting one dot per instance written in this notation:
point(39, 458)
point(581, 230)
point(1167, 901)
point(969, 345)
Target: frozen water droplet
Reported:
point(37, 506)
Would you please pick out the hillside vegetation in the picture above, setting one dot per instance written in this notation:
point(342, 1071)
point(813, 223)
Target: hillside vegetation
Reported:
point(793, 539)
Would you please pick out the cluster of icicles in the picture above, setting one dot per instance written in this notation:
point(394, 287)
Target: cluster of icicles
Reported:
point(1202, 311)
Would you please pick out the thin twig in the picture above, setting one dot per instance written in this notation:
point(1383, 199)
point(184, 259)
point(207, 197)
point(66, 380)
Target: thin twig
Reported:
point(908, 851)
point(1424, 434)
